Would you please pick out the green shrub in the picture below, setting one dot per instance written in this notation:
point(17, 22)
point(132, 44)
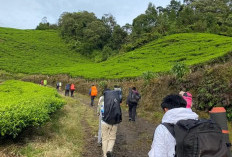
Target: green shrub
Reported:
point(148, 75)
point(25, 104)
point(179, 69)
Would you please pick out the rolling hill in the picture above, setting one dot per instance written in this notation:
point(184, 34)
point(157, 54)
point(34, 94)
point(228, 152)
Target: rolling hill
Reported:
point(44, 52)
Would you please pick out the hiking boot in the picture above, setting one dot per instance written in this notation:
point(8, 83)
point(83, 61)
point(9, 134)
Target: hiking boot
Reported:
point(109, 154)
point(99, 144)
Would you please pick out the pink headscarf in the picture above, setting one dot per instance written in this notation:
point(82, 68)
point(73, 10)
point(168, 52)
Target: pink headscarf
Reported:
point(187, 97)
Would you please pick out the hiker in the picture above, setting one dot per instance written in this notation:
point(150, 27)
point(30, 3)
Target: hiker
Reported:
point(57, 85)
point(132, 101)
point(41, 82)
point(182, 134)
point(60, 85)
point(100, 111)
point(93, 94)
point(117, 88)
point(72, 89)
point(111, 117)
point(187, 97)
point(45, 82)
point(67, 88)
point(163, 144)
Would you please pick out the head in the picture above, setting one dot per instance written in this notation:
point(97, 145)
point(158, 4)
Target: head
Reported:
point(133, 88)
point(116, 86)
point(173, 101)
point(104, 89)
point(181, 93)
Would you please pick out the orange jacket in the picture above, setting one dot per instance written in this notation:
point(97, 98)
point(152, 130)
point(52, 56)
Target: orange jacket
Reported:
point(93, 91)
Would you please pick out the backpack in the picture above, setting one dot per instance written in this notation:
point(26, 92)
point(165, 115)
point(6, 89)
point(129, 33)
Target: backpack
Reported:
point(112, 110)
point(67, 87)
point(93, 91)
point(119, 90)
point(134, 97)
point(72, 87)
point(198, 138)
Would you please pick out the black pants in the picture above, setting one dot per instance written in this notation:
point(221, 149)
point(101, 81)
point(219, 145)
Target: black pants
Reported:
point(92, 100)
point(72, 91)
point(132, 111)
point(66, 92)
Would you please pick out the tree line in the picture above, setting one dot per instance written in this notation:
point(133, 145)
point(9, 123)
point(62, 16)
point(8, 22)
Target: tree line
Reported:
point(103, 37)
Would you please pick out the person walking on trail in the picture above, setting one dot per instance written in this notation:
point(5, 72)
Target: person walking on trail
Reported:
point(132, 101)
point(163, 144)
point(100, 112)
point(45, 82)
point(117, 88)
point(60, 85)
point(67, 88)
point(187, 97)
point(111, 117)
point(42, 82)
point(57, 85)
point(72, 89)
point(93, 94)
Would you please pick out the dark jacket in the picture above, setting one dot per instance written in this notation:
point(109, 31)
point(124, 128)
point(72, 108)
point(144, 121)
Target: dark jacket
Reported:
point(129, 99)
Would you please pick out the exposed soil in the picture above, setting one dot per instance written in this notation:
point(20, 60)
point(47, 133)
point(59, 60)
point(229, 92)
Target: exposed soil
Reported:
point(133, 138)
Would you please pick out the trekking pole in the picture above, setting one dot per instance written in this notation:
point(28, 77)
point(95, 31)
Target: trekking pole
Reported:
point(218, 114)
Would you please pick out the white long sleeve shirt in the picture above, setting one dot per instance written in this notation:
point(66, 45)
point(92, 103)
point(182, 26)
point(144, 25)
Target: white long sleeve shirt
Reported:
point(163, 144)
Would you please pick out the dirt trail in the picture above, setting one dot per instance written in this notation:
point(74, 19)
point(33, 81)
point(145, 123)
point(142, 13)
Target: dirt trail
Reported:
point(133, 138)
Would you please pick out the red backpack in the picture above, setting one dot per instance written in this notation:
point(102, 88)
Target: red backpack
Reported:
point(72, 87)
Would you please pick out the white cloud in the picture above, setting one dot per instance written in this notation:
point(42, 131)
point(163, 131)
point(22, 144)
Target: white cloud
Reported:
point(26, 14)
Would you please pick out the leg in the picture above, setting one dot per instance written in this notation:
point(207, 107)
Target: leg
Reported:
point(99, 139)
point(92, 100)
point(134, 112)
point(105, 137)
point(112, 137)
point(130, 111)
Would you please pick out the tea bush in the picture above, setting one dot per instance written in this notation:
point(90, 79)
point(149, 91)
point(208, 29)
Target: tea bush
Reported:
point(25, 104)
point(44, 52)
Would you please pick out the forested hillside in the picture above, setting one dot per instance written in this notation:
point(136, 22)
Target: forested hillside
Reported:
point(100, 38)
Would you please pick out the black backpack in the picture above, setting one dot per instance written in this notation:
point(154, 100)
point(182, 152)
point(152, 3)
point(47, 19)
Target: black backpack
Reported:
point(112, 110)
point(134, 97)
point(198, 138)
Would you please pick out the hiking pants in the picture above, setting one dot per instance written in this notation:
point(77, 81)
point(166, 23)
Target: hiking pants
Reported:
point(92, 100)
point(66, 92)
point(72, 91)
point(108, 137)
point(132, 111)
point(99, 137)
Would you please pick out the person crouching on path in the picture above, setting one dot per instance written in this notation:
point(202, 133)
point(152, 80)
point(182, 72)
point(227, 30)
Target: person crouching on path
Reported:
point(132, 101)
point(163, 144)
point(93, 94)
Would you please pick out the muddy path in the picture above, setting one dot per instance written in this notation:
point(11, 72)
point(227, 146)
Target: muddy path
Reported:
point(133, 138)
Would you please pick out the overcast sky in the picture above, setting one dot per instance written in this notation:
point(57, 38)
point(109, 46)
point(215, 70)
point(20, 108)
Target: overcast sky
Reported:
point(27, 14)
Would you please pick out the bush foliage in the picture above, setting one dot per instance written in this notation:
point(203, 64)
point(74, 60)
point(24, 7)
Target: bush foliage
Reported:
point(25, 104)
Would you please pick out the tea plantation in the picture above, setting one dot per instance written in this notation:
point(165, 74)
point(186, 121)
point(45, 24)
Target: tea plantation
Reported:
point(25, 104)
point(34, 52)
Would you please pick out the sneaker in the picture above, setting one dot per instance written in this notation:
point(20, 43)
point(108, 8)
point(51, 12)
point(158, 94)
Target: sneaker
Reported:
point(129, 119)
point(109, 154)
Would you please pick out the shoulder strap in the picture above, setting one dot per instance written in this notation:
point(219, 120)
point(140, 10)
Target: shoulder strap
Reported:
point(170, 128)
